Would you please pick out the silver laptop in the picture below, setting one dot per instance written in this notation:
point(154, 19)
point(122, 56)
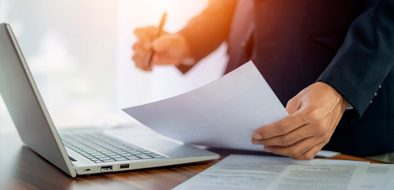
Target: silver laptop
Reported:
point(79, 152)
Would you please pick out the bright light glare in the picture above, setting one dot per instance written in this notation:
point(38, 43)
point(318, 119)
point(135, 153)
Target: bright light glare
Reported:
point(79, 52)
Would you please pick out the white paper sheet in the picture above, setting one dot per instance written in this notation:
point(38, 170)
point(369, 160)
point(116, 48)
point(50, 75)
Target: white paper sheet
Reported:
point(327, 153)
point(375, 177)
point(245, 172)
point(222, 114)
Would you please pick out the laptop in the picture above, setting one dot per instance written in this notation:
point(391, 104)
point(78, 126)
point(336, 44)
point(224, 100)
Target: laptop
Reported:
point(80, 151)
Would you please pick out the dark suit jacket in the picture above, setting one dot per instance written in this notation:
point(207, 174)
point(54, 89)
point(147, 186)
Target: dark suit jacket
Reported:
point(348, 44)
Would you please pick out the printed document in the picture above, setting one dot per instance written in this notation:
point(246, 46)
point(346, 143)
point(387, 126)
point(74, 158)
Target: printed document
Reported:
point(221, 114)
point(246, 172)
point(375, 177)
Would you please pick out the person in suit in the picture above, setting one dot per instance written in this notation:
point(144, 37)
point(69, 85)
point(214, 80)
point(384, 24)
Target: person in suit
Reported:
point(329, 61)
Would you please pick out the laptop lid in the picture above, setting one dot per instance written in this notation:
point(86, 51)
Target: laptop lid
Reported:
point(26, 106)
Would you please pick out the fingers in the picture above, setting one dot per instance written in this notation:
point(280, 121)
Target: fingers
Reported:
point(141, 62)
point(168, 49)
point(171, 44)
point(315, 114)
point(309, 155)
point(146, 34)
point(165, 59)
point(280, 127)
point(300, 149)
point(141, 57)
point(142, 49)
point(302, 116)
point(294, 136)
point(164, 43)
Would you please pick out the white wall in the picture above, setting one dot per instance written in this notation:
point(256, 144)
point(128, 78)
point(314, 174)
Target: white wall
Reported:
point(137, 87)
point(79, 52)
point(70, 47)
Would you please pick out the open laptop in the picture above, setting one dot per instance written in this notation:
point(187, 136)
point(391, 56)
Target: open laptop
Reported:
point(79, 152)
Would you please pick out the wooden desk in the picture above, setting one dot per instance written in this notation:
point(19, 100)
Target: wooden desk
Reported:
point(20, 168)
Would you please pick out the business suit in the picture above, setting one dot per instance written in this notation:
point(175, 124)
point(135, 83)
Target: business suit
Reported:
point(348, 44)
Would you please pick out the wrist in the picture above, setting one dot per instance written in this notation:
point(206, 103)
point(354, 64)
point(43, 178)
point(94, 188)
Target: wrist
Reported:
point(188, 58)
point(342, 102)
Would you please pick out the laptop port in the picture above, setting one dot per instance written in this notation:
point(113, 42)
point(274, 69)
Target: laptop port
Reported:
point(106, 168)
point(124, 166)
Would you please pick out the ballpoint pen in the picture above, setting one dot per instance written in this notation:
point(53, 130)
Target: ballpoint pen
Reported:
point(158, 34)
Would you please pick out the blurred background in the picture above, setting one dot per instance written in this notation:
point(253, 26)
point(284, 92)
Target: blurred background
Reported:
point(79, 53)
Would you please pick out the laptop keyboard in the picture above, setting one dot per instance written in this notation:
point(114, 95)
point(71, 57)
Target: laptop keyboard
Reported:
point(101, 148)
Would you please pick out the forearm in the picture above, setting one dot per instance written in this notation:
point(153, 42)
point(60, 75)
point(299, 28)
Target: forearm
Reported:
point(366, 57)
point(205, 32)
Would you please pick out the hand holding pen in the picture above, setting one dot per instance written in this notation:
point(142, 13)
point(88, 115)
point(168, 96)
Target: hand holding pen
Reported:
point(154, 46)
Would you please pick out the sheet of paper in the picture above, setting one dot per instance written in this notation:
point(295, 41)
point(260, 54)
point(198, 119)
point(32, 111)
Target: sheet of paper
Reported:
point(276, 173)
point(327, 154)
point(319, 175)
point(221, 114)
point(375, 177)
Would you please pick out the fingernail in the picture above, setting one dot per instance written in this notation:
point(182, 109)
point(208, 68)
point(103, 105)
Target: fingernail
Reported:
point(257, 136)
point(267, 150)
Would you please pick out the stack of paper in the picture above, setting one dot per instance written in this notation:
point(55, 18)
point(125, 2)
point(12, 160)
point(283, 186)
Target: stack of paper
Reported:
point(241, 172)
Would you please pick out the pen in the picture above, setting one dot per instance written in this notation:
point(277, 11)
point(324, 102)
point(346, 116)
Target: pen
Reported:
point(158, 34)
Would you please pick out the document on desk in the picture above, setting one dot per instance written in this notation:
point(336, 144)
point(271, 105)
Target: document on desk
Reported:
point(375, 177)
point(221, 114)
point(242, 172)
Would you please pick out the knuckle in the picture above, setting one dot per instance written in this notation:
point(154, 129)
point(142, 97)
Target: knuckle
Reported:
point(326, 138)
point(320, 130)
point(282, 128)
point(292, 102)
point(321, 139)
point(285, 141)
point(282, 141)
point(313, 115)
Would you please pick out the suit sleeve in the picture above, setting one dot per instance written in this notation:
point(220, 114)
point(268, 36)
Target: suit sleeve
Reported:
point(365, 58)
point(205, 32)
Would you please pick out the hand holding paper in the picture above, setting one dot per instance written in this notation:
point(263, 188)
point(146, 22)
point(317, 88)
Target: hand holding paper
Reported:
point(221, 114)
point(314, 115)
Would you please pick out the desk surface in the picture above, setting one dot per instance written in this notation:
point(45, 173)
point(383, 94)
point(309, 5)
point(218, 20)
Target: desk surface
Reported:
point(23, 169)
